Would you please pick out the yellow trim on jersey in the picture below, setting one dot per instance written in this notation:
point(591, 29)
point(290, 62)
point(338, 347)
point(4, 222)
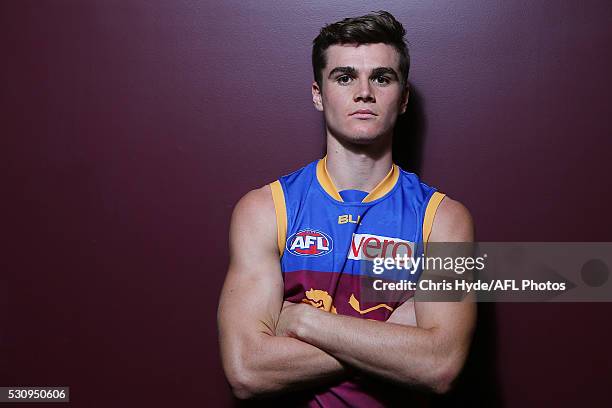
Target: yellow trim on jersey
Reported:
point(379, 191)
point(326, 181)
point(281, 215)
point(430, 213)
point(384, 186)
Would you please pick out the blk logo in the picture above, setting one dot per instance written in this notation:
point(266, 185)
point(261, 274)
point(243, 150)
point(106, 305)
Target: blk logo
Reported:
point(348, 219)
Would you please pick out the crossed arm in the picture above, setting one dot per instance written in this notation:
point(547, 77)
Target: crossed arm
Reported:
point(269, 347)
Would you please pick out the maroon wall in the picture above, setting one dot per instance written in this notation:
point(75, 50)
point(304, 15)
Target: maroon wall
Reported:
point(130, 128)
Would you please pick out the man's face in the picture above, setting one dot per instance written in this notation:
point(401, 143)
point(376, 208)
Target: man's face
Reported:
point(362, 94)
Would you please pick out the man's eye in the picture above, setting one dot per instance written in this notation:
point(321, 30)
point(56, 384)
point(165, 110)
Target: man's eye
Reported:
point(382, 80)
point(344, 79)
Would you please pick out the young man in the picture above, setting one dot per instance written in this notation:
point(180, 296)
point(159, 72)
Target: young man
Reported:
point(317, 231)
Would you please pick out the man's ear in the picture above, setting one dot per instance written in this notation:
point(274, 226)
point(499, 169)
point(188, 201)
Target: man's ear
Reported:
point(405, 97)
point(317, 98)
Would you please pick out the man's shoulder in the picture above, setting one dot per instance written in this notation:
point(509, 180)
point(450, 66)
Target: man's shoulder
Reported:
point(256, 203)
point(453, 222)
point(253, 224)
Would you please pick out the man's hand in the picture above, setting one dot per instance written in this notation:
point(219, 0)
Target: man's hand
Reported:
point(291, 317)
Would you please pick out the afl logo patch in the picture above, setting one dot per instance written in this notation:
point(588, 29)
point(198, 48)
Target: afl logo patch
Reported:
point(309, 242)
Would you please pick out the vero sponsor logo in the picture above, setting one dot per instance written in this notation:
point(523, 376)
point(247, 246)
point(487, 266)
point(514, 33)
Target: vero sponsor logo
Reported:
point(369, 247)
point(309, 242)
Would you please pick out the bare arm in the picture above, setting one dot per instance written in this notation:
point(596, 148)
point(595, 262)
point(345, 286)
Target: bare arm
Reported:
point(255, 361)
point(429, 355)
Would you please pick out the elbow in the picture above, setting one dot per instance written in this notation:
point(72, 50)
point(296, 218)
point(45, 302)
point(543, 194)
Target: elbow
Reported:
point(241, 386)
point(441, 386)
point(241, 383)
point(243, 369)
point(242, 391)
point(446, 374)
point(438, 376)
point(245, 384)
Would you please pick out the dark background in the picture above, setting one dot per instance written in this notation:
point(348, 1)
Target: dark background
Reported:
point(129, 130)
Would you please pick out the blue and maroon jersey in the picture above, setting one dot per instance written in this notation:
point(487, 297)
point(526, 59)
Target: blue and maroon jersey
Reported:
point(328, 242)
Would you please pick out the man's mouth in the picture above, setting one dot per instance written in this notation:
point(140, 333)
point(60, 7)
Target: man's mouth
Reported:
point(363, 113)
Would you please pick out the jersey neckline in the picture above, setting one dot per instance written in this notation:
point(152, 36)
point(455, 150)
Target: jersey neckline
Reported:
point(382, 188)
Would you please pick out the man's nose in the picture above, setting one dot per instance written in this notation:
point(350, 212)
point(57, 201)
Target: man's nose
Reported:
point(364, 92)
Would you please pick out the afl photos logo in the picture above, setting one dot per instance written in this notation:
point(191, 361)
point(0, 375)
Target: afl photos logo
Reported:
point(308, 242)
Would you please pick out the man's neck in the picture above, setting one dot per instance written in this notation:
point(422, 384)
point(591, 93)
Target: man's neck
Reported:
point(359, 167)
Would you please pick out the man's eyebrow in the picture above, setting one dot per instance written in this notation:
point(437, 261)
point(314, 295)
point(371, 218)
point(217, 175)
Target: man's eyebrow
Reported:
point(376, 72)
point(342, 70)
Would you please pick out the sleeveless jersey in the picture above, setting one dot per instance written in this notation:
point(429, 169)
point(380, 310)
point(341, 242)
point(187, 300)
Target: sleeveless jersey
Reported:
point(329, 242)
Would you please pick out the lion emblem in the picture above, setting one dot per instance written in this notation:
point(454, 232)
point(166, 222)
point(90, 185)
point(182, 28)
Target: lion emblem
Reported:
point(319, 299)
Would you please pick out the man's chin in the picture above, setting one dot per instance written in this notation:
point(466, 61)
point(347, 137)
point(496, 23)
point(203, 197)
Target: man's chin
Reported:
point(363, 139)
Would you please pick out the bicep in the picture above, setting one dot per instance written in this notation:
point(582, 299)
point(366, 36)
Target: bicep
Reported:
point(453, 320)
point(251, 298)
point(252, 294)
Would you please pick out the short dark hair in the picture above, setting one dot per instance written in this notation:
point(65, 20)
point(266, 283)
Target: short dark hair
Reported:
point(377, 27)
